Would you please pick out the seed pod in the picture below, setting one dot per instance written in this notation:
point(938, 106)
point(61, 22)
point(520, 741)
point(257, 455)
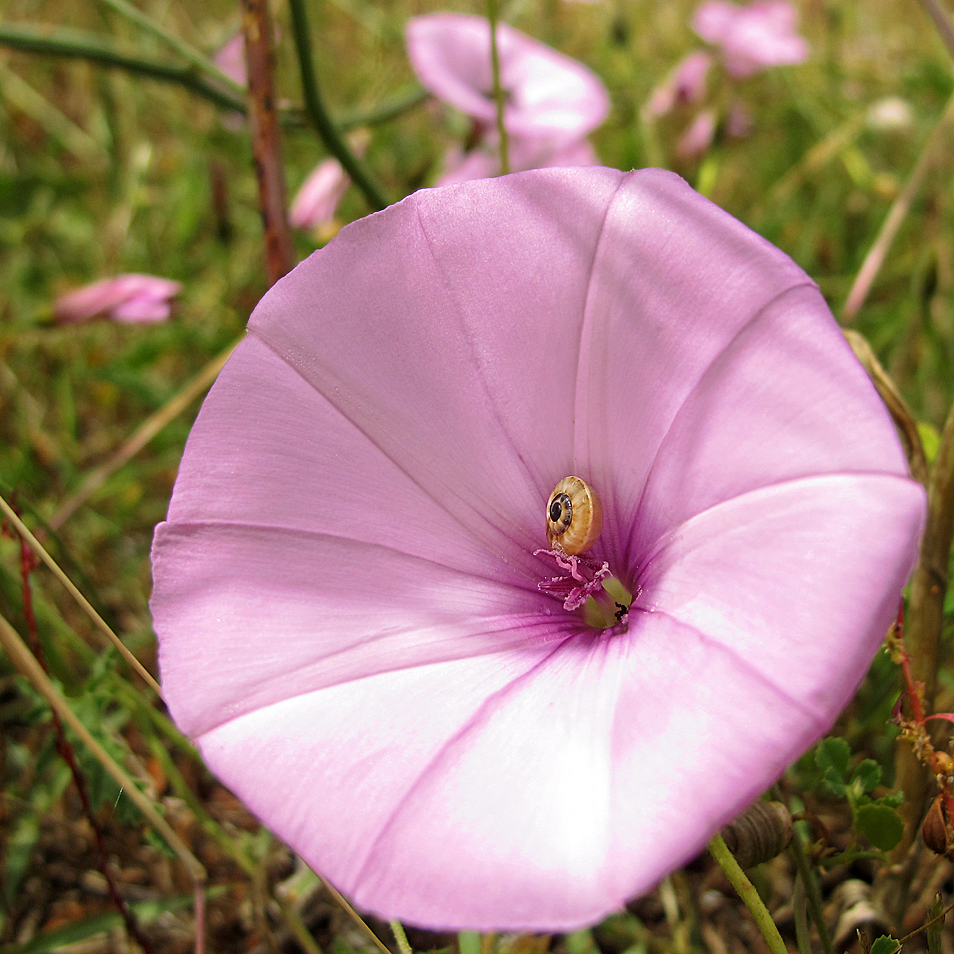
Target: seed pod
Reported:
point(936, 830)
point(760, 833)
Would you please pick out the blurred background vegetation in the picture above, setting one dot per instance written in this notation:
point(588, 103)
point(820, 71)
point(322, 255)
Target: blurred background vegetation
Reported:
point(105, 172)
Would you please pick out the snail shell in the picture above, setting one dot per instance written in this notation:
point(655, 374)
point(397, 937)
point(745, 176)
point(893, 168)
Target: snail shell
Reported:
point(574, 516)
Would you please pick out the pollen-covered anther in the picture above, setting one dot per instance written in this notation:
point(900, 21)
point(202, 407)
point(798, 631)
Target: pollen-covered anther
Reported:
point(581, 578)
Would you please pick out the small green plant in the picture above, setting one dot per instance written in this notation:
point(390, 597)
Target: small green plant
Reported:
point(874, 818)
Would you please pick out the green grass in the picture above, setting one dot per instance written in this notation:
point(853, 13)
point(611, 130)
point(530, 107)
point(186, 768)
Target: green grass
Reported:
point(102, 172)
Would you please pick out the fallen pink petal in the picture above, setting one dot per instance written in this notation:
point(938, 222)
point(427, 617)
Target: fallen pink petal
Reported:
point(130, 298)
point(347, 589)
point(754, 37)
point(547, 93)
point(317, 200)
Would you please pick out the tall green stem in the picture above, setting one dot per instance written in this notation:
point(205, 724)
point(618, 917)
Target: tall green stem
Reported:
point(746, 891)
point(498, 90)
point(319, 116)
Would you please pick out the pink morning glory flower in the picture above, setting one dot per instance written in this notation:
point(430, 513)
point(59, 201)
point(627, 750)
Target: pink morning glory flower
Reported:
point(361, 621)
point(127, 298)
point(548, 94)
point(754, 37)
point(317, 200)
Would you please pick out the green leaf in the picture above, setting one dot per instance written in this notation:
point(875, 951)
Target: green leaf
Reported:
point(894, 800)
point(868, 774)
point(880, 825)
point(833, 754)
point(930, 438)
point(834, 781)
point(885, 945)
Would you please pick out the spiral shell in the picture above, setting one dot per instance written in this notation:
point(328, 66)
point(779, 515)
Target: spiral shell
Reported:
point(574, 516)
point(761, 832)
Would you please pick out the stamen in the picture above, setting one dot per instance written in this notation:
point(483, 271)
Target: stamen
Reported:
point(586, 583)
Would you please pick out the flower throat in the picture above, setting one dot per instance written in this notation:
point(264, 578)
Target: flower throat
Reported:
point(574, 517)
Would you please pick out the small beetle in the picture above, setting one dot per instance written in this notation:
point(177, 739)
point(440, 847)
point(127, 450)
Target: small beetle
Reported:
point(574, 516)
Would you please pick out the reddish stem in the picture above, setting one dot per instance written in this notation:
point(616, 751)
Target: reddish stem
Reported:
point(910, 690)
point(266, 142)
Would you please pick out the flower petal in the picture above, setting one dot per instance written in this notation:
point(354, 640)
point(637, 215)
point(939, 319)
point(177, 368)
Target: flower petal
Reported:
point(784, 399)
point(132, 298)
point(547, 92)
point(317, 200)
point(774, 577)
point(674, 281)
point(285, 613)
point(529, 790)
point(608, 741)
point(468, 339)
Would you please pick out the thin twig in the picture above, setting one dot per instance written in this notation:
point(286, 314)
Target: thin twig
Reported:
point(71, 588)
point(343, 902)
point(942, 23)
point(318, 114)
point(27, 99)
point(188, 52)
point(266, 141)
point(896, 215)
point(139, 438)
point(77, 44)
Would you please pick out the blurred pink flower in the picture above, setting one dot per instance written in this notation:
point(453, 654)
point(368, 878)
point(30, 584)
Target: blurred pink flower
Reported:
point(230, 60)
point(347, 587)
point(525, 153)
point(698, 137)
point(754, 37)
point(547, 93)
point(685, 86)
point(317, 200)
point(129, 298)
point(738, 120)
